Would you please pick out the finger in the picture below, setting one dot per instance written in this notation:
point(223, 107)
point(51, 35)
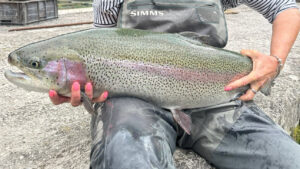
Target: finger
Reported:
point(249, 95)
point(102, 97)
point(253, 54)
point(89, 90)
point(56, 99)
point(260, 83)
point(75, 94)
point(241, 82)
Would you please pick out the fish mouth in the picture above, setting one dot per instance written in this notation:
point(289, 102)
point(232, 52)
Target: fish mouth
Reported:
point(10, 75)
point(22, 80)
point(14, 76)
point(18, 78)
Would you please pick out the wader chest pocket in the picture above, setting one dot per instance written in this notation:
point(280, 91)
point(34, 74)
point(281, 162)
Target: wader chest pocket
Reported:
point(197, 19)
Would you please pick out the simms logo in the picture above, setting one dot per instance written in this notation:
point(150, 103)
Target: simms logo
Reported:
point(146, 13)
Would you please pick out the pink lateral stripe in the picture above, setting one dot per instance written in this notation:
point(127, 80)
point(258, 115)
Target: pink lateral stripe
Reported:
point(182, 74)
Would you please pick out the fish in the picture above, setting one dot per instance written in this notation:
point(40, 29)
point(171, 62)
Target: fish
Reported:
point(168, 70)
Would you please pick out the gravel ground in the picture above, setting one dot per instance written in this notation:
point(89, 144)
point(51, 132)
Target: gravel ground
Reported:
point(36, 134)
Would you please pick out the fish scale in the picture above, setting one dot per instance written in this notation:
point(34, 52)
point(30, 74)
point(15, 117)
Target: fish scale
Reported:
point(168, 70)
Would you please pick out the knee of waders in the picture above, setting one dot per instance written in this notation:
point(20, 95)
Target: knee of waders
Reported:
point(135, 115)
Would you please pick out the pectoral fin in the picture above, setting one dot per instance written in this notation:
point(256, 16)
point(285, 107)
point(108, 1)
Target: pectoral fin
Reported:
point(87, 103)
point(183, 119)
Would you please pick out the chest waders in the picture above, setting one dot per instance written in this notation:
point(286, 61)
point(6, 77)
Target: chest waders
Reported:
point(201, 20)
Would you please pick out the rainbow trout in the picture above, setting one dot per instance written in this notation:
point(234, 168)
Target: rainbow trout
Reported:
point(168, 70)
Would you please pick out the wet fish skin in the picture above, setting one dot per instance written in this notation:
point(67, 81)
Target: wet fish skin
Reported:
point(169, 70)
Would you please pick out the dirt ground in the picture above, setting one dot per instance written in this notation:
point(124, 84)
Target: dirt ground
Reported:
point(36, 134)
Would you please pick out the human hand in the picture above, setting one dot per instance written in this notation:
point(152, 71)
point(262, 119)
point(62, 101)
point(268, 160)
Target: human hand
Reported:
point(264, 69)
point(75, 98)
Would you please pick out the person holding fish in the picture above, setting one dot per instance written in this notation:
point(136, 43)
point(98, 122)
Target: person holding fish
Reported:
point(237, 134)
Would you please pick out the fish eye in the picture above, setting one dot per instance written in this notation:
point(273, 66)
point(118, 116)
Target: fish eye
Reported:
point(35, 64)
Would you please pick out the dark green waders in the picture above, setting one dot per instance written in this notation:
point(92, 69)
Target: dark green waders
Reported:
point(236, 135)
